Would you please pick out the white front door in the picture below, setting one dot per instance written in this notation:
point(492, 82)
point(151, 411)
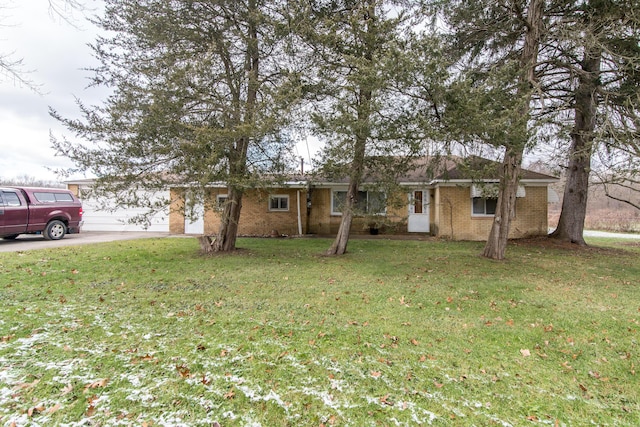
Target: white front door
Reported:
point(195, 224)
point(418, 221)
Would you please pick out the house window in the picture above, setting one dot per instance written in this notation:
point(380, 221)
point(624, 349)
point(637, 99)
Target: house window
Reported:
point(484, 206)
point(369, 202)
point(221, 199)
point(279, 203)
point(485, 198)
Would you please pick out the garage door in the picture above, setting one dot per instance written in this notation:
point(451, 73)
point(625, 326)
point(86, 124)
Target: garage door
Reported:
point(97, 219)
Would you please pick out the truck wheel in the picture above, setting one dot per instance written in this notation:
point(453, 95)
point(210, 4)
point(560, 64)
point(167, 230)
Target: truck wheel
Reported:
point(55, 230)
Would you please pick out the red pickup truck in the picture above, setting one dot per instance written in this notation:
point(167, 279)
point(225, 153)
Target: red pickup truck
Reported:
point(52, 212)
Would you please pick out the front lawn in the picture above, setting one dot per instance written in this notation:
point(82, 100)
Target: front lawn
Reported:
point(150, 333)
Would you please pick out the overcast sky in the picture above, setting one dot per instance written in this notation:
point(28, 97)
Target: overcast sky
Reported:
point(54, 54)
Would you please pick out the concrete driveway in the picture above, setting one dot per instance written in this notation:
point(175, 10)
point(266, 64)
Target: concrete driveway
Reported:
point(27, 242)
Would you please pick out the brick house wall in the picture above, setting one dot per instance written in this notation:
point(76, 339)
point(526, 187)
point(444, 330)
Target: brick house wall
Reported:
point(176, 211)
point(256, 219)
point(454, 219)
point(322, 222)
point(450, 213)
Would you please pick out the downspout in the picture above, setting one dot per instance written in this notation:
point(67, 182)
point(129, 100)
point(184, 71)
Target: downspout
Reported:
point(299, 215)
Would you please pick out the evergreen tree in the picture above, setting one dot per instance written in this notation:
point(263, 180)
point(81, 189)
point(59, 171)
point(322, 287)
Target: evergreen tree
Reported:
point(198, 87)
point(594, 75)
point(498, 45)
point(360, 60)
point(577, 84)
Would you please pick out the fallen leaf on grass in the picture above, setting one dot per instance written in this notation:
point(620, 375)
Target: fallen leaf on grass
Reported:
point(66, 390)
point(184, 371)
point(376, 374)
point(35, 410)
point(525, 352)
point(97, 384)
point(54, 408)
point(146, 358)
point(91, 409)
point(230, 394)
point(23, 386)
point(385, 400)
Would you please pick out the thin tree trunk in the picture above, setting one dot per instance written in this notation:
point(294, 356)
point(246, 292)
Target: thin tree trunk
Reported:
point(496, 245)
point(339, 245)
point(227, 235)
point(574, 205)
point(228, 232)
point(362, 133)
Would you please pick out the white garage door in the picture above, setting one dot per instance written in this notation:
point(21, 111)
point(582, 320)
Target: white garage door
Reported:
point(96, 219)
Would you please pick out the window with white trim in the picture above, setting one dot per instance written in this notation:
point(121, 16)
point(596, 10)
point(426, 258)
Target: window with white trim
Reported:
point(484, 206)
point(221, 199)
point(368, 202)
point(484, 197)
point(279, 203)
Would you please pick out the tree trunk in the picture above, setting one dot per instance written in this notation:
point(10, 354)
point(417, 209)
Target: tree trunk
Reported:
point(339, 245)
point(496, 245)
point(362, 133)
point(227, 235)
point(574, 205)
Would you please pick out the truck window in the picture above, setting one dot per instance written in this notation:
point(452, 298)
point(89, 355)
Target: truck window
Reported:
point(47, 197)
point(63, 197)
point(11, 199)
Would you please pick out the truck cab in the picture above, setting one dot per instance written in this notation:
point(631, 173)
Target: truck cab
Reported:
point(52, 212)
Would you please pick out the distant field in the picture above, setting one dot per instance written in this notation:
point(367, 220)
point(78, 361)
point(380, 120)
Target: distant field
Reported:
point(626, 221)
point(150, 333)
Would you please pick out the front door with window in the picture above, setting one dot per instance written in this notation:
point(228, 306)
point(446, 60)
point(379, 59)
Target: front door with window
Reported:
point(418, 221)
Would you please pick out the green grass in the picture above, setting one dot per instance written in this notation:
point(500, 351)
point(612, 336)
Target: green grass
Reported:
point(150, 332)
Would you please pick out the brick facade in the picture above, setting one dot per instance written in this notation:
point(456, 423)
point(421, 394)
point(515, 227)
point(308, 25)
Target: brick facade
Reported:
point(454, 219)
point(450, 211)
point(256, 217)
